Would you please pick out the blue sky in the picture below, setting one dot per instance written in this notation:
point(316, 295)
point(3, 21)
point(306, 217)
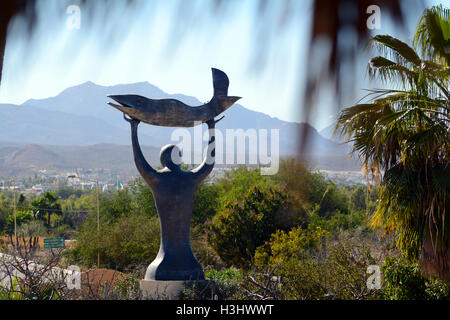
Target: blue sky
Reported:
point(122, 44)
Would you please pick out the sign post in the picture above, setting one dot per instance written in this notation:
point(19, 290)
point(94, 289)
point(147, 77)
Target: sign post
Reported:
point(51, 243)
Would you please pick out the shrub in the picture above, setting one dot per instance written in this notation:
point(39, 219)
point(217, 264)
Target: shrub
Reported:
point(131, 241)
point(306, 265)
point(438, 290)
point(205, 255)
point(245, 224)
point(295, 244)
point(142, 197)
point(33, 228)
point(200, 290)
point(339, 220)
point(404, 281)
point(226, 282)
point(126, 286)
point(205, 203)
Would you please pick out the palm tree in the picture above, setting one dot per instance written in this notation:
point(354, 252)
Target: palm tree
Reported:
point(44, 207)
point(402, 135)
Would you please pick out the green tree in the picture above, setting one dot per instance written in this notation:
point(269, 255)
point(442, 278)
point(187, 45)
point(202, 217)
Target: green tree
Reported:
point(116, 205)
point(358, 198)
point(132, 240)
point(237, 181)
point(402, 136)
point(5, 210)
point(143, 198)
point(65, 192)
point(205, 203)
point(22, 217)
point(246, 223)
point(45, 206)
point(327, 195)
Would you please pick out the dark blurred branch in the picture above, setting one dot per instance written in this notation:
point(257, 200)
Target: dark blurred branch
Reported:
point(8, 10)
point(330, 19)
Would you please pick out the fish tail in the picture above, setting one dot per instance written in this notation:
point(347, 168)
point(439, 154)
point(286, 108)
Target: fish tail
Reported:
point(220, 82)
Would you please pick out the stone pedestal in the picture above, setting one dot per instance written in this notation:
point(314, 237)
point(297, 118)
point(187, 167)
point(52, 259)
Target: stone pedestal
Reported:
point(171, 290)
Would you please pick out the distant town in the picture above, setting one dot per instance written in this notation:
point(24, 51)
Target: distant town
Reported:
point(51, 179)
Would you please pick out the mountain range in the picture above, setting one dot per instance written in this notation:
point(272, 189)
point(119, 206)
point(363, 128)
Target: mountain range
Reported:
point(77, 129)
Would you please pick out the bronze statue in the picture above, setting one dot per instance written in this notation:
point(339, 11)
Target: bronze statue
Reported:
point(173, 188)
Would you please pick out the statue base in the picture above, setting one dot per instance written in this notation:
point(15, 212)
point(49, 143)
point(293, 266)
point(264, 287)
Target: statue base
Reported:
point(177, 289)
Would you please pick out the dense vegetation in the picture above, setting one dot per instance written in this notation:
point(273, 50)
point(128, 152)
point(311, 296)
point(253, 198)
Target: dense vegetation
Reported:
point(307, 233)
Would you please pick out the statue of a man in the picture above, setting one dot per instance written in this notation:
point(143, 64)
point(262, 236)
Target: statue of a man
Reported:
point(174, 190)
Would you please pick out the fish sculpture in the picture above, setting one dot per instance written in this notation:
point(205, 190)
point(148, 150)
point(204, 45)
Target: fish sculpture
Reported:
point(174, 113)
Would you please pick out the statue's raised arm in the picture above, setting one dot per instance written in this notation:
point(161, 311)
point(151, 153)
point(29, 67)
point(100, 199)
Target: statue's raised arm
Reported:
point(204, 169)
point(149, 174)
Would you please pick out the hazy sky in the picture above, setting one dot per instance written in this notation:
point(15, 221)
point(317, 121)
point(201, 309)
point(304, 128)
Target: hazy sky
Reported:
point(120, 44)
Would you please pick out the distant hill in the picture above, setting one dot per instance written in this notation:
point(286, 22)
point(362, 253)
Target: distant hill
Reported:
point(114, 157)
point(30, 124)
point(32, 156)
point(29, 159)
point(329, 133)
point(26, 160)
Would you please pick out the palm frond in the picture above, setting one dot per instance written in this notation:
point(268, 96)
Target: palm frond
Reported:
point(400, 51)
point(433, 34)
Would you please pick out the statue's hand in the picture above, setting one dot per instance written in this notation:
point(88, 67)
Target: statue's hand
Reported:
point(133, 122)
point(211, 123)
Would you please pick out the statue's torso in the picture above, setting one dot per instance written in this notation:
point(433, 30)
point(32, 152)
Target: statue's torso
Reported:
point(174, 194)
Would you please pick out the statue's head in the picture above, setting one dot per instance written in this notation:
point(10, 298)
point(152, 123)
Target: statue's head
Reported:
point(170, 157)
